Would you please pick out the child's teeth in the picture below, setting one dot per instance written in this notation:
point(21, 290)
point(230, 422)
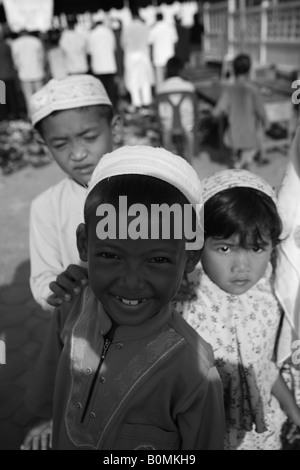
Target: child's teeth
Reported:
point(130, 302)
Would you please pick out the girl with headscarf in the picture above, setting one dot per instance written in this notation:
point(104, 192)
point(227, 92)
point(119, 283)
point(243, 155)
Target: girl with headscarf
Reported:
point(235, 308)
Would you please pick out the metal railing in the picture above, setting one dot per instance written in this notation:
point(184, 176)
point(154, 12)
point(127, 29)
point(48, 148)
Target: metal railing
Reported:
point(269, 33)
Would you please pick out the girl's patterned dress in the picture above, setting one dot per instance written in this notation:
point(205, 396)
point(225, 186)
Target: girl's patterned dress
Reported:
point(242, 331)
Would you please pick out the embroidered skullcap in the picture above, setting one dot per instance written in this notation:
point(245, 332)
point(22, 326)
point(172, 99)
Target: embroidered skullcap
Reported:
point(227, 179)
point(158, 163)
point(67, 93)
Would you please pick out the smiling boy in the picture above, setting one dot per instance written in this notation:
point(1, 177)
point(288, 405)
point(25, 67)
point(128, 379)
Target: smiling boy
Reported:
point(128, 372)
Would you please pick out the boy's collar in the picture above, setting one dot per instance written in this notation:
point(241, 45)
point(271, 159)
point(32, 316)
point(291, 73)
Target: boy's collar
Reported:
point(139, 331)
point(80, 184)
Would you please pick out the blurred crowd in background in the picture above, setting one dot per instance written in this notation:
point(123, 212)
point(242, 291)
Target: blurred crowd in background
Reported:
point(121, 53)
point(129, 55)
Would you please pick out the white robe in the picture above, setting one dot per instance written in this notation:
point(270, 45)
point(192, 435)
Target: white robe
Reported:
point(287, 281)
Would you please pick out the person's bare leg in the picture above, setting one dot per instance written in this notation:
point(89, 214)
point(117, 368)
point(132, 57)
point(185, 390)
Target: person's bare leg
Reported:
point(167, 140)
point(189, 147)
point(247, 157)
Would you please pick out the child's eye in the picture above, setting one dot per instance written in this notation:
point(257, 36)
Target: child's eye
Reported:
point(108, 255)
point(59, 146)
point(224, 249)
point(90, 138)
point(159, 260)
point(257, 249)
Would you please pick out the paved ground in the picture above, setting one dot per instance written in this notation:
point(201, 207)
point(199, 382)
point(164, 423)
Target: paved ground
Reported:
point(22, 323)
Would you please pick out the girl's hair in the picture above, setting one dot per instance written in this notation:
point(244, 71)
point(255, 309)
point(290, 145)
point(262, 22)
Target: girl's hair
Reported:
point(246, 212)
point(104, 110)
point(140, 189)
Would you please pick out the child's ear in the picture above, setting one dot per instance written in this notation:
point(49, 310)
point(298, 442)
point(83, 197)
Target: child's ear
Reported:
point(82, 241)
point(193, 258)
point(117, 129)
point(40, 140)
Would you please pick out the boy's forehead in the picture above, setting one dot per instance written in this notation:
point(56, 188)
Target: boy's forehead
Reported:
point(77, 120)
point(138, 247)
point(76, 91)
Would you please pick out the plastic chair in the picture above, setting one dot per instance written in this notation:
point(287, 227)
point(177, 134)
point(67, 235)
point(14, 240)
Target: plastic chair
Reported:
point(177, 116)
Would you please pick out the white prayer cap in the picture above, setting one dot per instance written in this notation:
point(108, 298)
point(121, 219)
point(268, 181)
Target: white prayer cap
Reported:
point(71, 92)
point(227, 179)
point(150, 161)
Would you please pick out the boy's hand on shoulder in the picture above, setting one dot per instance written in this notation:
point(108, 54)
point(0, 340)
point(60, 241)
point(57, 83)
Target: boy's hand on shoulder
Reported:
point(39, 437)
point(67, 284)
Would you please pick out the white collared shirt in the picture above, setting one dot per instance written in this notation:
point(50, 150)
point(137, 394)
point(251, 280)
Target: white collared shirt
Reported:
point(54, 217)
point(29, 58)
point(102, 46)
point(74, 47)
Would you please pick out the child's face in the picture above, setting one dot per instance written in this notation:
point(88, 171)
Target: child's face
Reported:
point(133, 279)
point(233, 268)
point(77, 139)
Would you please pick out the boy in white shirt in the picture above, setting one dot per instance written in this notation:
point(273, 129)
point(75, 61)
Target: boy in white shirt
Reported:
point(73, 44)
point(75, 118)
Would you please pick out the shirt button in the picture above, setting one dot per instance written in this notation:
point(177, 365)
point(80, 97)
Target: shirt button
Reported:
point(78, 405)
point(119, 345)
point(92, 415)
point(89, 370)
point(102, 380)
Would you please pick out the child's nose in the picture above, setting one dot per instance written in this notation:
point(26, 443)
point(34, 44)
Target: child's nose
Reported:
point(241, 262)
point(78, 153)
point(132, 278)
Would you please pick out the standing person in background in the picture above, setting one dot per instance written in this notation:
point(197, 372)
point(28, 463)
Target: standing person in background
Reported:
point(73, 45)
point(163, 37)
point(182, 47)
point(102, 48)
point(55, 56)
point(29, 58)
point(137, 63)
point(8, 75)
point(117, 27)
point(243, 106)
point(197, 32)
